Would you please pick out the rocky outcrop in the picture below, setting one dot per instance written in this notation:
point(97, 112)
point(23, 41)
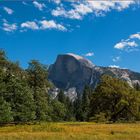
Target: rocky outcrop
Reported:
point(72, 71)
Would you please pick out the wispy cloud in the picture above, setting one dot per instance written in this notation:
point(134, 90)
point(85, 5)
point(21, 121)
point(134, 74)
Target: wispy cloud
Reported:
point(60, 11)
point(38, 5)
point(43, 25)
point(24, 3)
point(30, 25)
point(135, 36)
point(114, 66)
point(89, 54)
point(125, 45)
point(56, 1)
point(98, 8)
point(51, 24)
point(116, 59)
point(129, 44)
point(8, 10)
point(9, 27)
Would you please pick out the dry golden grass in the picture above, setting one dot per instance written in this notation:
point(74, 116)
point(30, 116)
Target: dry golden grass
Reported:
point(71, 131)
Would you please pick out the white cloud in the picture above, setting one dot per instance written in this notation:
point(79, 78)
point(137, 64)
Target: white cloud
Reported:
point(24, 3)
point(57, 1)
point(51, 24)
point(8, 10)
point(89, 54)
point(9, 27)
point(81, 8)
point(106, 6)
point(125, 4)
point(38, 5)
point(30, 25)
point(114, 66)
point(125, 44)
point(135, 36)
point(116, 59)
point(98, 6)
point(42, 25)
point(60, 11)
point(130, 44)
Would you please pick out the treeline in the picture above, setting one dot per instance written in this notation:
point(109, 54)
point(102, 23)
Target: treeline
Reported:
point(24, 97)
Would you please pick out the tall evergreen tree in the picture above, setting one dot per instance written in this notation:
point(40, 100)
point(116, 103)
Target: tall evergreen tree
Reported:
point(16, 93)
point(58, 111)
point(19, 95)
point(70, 110)
point(37, 79)
point(86, 102)
point(78, 109)
point(61, 97)
point(3, 59)
point(41, 104)
point(5, 112)
point(37, 75)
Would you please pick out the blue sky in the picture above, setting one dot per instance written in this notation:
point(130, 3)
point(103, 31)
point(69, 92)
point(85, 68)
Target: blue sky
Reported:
point(106, 32)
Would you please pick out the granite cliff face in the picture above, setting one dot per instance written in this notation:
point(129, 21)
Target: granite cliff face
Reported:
point(73, 71)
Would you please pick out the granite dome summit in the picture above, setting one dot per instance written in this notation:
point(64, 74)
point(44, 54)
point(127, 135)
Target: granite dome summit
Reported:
point(74, 71)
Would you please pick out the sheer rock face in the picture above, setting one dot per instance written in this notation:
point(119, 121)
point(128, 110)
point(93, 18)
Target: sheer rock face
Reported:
point(73, 71)
point(70, 71)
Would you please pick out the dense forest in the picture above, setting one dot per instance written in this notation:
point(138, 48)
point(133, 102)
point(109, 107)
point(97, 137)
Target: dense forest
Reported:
point(24, 97)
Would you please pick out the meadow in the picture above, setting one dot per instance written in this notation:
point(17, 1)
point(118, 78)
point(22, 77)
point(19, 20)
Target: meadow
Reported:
point(71, 131)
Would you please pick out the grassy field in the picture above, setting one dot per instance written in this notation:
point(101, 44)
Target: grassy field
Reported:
point(71, 131)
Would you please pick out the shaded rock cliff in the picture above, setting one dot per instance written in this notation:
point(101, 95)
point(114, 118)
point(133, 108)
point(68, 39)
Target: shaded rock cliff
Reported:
point(73, 71)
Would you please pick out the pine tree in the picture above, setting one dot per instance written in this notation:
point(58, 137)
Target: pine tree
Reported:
point(86, 102)
point(58, 111)
point(70, 110)
point(78, 109)
point(5, 109)
point(3, 59)
point(61, 97)
point(15, 91)
point(37, 79)
point(5, 112)
point(41, 104)
point(19, 95)
point(37, 75)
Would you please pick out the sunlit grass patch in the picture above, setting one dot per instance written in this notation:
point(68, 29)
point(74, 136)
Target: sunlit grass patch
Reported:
point(71, 131)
